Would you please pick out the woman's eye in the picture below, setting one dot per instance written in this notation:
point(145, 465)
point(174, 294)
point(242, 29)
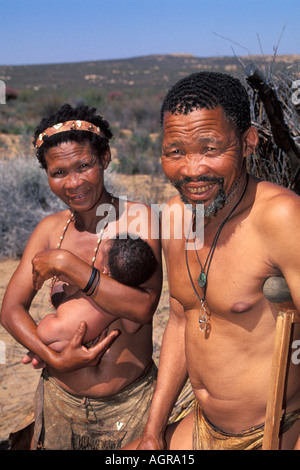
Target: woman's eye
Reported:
point(57, 174)
point(84, 166)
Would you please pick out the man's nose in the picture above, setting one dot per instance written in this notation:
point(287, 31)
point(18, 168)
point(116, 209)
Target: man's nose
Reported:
point(194, 166)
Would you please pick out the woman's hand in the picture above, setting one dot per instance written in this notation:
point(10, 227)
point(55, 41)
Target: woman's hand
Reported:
point(34, 360)
point(76, 356)
point(47, 264)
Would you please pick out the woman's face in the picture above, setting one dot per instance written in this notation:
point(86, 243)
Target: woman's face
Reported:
point(75, 174)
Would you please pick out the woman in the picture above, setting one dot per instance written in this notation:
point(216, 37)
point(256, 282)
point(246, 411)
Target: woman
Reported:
point(92, 397)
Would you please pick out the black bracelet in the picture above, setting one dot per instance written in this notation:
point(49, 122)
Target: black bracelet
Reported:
point(96, 283)
point(91, 280)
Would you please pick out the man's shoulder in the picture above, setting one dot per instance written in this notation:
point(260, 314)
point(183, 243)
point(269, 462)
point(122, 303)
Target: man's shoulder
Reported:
point(271, 194)
point(134, 206)
point(171, 203)
point(276, 204)
point(175, 215)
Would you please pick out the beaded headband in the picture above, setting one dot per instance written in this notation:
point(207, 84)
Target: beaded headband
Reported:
point(68, 126)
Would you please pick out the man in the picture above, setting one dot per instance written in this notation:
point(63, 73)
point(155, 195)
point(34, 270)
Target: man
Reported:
point(221, 328)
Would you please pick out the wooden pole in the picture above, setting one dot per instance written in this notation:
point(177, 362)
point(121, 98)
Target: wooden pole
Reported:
point(276, 291)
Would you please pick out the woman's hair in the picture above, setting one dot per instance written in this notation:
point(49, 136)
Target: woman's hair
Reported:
point(210, 90)
point(67, 113)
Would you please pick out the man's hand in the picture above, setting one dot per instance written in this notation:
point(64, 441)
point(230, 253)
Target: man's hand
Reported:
point(150, 442)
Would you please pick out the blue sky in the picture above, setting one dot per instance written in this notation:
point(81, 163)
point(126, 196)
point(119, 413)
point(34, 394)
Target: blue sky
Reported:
point(53, 31)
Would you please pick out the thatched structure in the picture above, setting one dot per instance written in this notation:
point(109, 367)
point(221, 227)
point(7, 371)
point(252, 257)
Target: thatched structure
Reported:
point(276, 114)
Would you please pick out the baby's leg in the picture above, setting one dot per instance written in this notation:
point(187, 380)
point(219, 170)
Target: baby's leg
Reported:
point(130, 326)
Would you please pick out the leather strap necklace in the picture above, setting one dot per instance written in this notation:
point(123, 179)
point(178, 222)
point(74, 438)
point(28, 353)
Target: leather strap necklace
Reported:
point(202, 278)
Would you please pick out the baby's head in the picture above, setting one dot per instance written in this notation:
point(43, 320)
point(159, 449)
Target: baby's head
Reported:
point(128, 260)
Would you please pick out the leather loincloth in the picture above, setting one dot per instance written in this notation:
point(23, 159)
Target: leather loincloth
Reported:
point(66, 422)
point(206, 436)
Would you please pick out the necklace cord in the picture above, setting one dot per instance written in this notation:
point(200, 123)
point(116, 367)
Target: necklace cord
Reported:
point(212, 248)
point(95, 272)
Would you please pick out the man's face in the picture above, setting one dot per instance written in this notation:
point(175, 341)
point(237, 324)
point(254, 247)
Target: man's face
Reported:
point(202, 155)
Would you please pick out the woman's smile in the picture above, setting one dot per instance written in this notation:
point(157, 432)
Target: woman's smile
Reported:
point(81, 197)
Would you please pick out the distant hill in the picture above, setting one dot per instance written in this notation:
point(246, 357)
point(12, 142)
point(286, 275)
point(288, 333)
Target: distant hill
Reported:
point(127, 92)
point(155, 71)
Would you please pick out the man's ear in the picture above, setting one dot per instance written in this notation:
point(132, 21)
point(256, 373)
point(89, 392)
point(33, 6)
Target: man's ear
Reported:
point(250, 141)
point(106, 158)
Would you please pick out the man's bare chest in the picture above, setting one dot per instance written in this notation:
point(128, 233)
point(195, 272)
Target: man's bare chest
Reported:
point(234, 274)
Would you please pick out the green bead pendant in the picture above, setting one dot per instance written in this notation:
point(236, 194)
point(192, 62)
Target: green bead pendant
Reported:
point(202, 279)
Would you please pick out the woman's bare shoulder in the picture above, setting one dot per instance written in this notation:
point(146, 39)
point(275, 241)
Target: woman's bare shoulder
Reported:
point(50, 227)
point(53, 221)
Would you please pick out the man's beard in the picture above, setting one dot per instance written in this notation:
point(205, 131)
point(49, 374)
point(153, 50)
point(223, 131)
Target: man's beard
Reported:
point(217, 204)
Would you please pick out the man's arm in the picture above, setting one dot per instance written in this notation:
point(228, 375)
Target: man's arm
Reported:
point(281, 225)
point(172, 376)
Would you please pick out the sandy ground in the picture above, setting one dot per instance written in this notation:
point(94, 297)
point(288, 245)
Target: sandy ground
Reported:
point(18, 381)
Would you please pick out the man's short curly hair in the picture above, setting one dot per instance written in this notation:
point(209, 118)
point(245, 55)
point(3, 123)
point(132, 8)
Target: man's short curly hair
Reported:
point(68, 113)
point(209, 90)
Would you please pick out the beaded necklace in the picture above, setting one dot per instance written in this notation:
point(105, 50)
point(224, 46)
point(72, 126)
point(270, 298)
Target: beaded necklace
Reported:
point(71, 219)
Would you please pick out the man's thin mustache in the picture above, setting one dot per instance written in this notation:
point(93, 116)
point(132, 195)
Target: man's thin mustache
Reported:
point(204, 179)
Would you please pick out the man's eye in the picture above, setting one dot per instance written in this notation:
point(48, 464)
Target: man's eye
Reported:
point(173, 153)
point(211, 150)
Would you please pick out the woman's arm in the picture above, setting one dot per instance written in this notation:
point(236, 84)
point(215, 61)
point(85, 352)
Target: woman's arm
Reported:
point(17, 321)
point(132, 303)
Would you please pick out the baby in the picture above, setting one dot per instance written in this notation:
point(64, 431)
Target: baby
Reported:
point(129, 261)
